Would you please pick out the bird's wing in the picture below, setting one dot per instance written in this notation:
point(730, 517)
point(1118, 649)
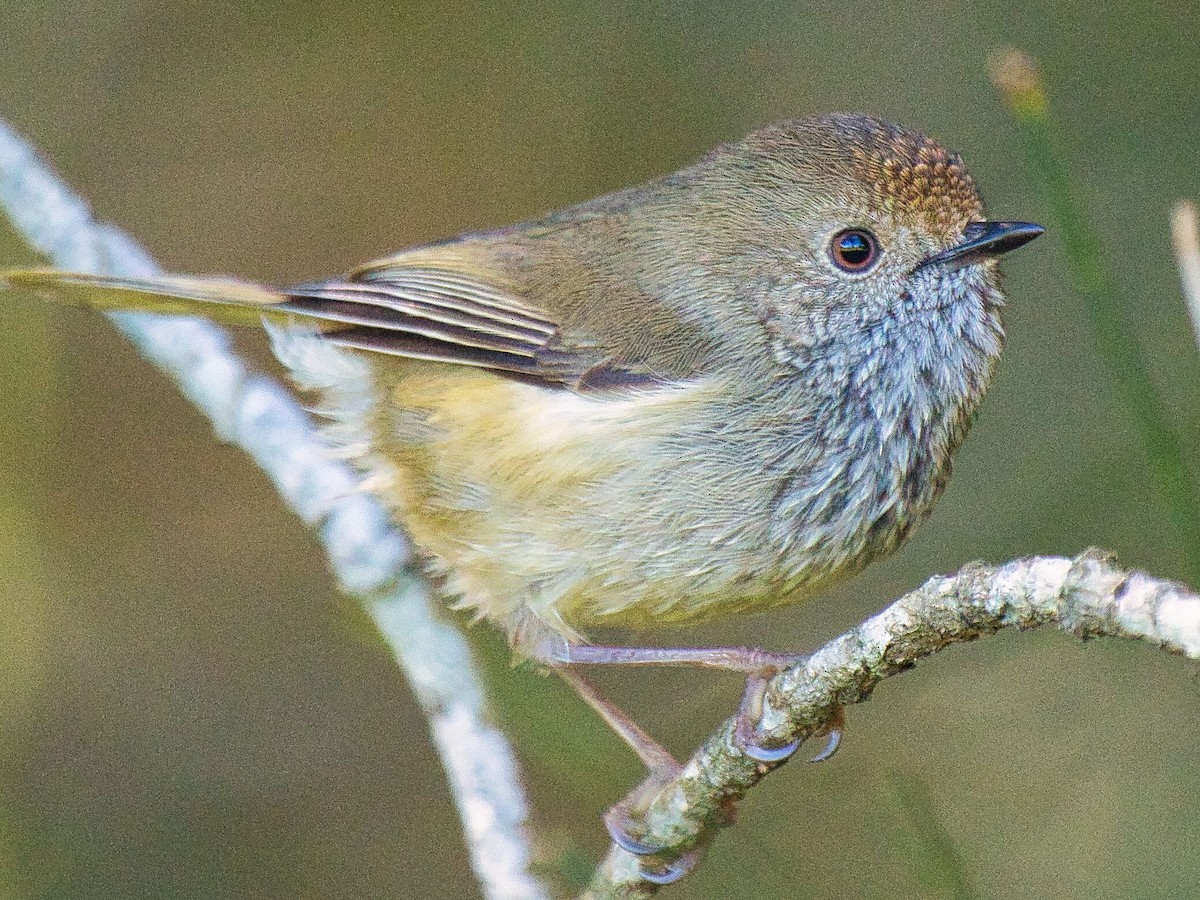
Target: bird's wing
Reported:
point(441, 306)
point(424, 304)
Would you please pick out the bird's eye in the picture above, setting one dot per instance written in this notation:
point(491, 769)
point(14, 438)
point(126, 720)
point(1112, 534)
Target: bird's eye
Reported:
point(854, 250)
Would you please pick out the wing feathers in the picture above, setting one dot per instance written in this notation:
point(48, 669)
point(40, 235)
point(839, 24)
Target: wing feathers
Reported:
point(416, 346)
point(449, 284)
point(434, 307)
point(420, 304)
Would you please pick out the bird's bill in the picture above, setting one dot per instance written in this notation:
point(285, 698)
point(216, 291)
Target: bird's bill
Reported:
point(986, 239)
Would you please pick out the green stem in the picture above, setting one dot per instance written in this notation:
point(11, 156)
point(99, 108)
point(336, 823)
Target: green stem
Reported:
point(1018, 79)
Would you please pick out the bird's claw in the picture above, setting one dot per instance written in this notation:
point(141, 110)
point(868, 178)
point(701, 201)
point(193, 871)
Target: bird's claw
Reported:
point(659, 872)
point(616, 822)
point(669, 873)
point(746, 734)
point(745, 738)
point(832, 742)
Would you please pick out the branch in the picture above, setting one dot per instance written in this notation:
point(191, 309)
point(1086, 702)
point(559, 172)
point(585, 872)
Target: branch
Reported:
point(1185, 235)
point(1087, 597)
point(367, 555)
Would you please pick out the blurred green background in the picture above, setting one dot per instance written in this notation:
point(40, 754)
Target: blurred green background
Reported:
point(187, 708)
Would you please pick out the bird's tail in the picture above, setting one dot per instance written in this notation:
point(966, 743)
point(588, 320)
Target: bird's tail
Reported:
point(417, 313)
point(225, 300)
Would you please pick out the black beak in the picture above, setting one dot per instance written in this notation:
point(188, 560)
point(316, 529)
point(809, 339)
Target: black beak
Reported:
point(983, 239)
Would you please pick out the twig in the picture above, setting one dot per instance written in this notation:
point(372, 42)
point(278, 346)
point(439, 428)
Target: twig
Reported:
point(1087, 597)
point(367, 555)
point(1185, 235)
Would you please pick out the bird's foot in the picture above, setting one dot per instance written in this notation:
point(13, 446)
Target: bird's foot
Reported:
point(656, 864)
point(659, 864)
point(746, 732)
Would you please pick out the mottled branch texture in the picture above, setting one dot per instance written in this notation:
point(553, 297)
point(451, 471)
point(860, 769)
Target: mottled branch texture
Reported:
point(1088, 597)
point(367, 555)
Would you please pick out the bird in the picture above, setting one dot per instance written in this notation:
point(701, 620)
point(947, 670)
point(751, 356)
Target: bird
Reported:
point(717, 392)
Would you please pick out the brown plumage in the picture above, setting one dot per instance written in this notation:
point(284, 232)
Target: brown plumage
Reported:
point(663, 404)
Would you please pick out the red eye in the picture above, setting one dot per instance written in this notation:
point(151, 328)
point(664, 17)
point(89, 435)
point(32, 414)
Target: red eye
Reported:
point(854, 250)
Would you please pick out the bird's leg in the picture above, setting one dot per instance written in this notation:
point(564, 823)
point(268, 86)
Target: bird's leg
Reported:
point(748, 660)
point(653, 755)
point(759, 666)
point(662, 768)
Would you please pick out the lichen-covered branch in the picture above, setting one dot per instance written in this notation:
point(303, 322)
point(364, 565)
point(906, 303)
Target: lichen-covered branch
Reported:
point(1088, 597)
point(366, 554)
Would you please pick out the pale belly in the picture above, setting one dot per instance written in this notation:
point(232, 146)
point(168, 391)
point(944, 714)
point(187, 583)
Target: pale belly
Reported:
point(547, 511)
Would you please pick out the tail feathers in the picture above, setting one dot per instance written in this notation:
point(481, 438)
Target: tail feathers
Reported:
point(420, 314)
point(225, 300)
